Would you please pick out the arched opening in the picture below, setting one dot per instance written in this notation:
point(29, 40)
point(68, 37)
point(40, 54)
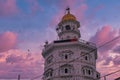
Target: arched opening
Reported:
point(48, 73)
point(86, 70)
point(66, 56)
point(86, 58)
point(66, 70)
point(67, 27)
point(89, 72)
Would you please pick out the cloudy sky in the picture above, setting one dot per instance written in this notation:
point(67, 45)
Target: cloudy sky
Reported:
point(26, 24)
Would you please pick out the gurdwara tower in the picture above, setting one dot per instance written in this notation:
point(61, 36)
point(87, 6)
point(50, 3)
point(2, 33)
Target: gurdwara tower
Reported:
point(70, 58)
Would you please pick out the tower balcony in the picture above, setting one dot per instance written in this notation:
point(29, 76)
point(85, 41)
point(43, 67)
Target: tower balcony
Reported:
point(69, 31)
point(87, 43)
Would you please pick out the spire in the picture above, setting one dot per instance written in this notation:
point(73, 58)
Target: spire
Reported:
point(68, 10)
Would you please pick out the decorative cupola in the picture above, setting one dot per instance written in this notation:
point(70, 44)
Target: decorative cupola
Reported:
point(68, 27)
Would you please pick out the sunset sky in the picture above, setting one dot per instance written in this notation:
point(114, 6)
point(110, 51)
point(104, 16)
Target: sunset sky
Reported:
point(26, 24)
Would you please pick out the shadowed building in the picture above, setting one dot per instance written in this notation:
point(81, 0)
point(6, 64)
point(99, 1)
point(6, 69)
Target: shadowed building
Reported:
point(118, 78)
point(60, 55)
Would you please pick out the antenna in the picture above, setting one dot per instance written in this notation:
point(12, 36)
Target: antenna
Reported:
point(19, 77)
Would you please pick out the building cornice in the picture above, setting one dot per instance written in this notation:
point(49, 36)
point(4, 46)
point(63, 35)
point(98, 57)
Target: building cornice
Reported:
point(81, 43)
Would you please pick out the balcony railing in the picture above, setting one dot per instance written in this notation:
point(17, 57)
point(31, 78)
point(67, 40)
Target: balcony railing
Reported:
point(80, 41)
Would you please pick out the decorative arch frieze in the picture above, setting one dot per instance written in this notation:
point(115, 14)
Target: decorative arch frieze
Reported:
point(87, 71)
point(66, 54)
point(66, 70)
point(48, 73)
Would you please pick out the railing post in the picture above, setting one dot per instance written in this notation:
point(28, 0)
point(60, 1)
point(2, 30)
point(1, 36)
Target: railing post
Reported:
point(104, 77)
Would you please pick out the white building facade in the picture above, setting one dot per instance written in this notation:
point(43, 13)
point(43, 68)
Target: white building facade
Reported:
point(70, 58)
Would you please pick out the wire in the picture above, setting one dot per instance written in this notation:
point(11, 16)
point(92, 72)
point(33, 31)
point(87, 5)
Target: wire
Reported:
point(110, 73)
point(89, 52)
point(110, 41)
point(98, 47)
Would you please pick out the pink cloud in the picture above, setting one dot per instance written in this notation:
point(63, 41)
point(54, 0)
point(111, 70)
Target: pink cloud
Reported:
point(8, 40)
point(104, 35)
point(17, 62)
point(106, 63)
point(117, 49)
point(8, 7)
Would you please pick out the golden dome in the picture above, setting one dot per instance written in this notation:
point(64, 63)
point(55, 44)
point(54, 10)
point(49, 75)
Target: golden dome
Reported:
point(68, 16)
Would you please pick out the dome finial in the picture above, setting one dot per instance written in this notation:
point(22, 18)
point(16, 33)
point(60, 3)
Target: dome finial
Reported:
point(68, 10)
point(68, 15)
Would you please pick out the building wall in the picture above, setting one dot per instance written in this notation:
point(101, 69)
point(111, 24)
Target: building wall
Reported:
point(77, 73)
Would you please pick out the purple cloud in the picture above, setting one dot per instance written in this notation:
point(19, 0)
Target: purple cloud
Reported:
point(14, 59)
point(8, 7)
point(107, 61)
point(116, 60)
point(117, 49)
point(17, 62)
point(104, 35)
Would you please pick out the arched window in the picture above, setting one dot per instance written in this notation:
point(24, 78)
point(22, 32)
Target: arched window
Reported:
point(97, 75)
point(66, 69)
point(49, 73)
point(86, 58)
point(87, 70)
point(67, 27)
point(66, 55)
point(49, 59)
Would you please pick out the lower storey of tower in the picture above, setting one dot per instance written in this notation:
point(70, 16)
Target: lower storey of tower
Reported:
point(77, 77)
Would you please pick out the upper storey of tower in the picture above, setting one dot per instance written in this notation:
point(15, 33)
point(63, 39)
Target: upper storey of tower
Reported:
point(68, 27)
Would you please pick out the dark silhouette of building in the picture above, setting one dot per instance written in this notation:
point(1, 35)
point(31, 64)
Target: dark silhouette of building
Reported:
point(118, 78)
